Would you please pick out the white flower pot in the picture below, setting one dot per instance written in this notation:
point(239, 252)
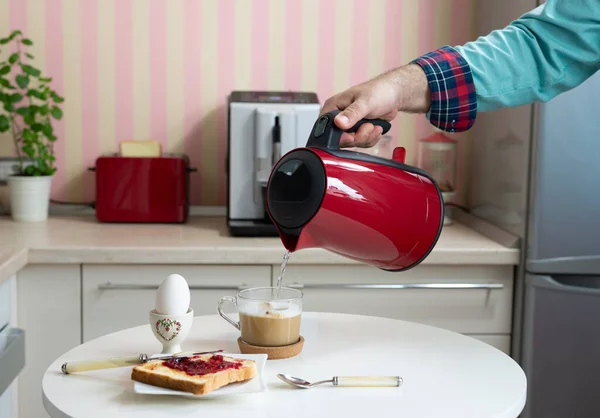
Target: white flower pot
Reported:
point(29, 198)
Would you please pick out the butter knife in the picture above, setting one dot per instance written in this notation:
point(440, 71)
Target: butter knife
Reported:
point(110, 363)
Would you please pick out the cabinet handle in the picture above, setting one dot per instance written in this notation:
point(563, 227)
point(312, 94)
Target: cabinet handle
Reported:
point(112, 286)
point(488, 287)
point(440, 286)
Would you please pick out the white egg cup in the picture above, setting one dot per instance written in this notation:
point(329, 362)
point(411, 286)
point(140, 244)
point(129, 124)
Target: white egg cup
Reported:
point(171, 330)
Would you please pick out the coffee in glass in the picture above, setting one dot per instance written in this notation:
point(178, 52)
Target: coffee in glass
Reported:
point(267, 319)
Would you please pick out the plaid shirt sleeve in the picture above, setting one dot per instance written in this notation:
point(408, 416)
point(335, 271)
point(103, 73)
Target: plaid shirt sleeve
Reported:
point(453, 97)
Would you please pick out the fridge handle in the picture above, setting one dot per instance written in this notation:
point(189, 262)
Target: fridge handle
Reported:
point(585, 285)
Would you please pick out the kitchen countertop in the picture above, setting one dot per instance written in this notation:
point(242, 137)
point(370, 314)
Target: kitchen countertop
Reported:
point(203, 240)
point(11, 259)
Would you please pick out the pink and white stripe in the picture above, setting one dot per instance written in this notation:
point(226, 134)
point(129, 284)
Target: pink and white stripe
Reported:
point(317, 55)
point(89, 92)
point(158, 71)
point(54, 69)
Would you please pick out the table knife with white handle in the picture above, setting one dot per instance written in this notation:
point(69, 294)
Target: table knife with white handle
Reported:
point(109, 363)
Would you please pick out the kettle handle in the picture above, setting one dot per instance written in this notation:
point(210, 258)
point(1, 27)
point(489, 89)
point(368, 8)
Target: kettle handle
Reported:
point(326, 134)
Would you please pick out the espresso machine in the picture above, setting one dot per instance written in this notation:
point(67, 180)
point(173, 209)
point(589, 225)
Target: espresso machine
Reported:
point(262, 126)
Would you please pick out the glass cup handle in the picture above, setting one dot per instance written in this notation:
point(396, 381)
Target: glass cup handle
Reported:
point(233, 301)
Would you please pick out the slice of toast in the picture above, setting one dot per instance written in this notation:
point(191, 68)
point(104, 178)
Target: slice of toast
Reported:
point(158, 373)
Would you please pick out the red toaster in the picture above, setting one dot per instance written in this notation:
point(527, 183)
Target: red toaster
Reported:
point(142, 189)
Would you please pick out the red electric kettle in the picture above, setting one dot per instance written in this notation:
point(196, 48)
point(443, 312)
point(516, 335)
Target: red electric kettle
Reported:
point(374, 210)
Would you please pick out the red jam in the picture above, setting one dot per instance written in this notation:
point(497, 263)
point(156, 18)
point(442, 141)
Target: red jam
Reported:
point(194, 366)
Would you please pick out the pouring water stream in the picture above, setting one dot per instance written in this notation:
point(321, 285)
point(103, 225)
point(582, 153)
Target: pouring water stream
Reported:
point(284, 261)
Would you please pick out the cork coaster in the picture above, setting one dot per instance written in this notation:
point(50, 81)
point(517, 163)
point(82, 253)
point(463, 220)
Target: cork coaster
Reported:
point(273, 353)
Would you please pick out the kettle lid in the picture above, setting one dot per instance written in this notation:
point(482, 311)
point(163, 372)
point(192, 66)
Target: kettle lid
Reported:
point(296, 188)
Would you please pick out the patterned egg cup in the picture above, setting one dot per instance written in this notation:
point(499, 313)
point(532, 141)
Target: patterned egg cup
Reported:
point(171, 330)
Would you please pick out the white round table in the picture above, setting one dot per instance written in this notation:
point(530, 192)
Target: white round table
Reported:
point(445, 374)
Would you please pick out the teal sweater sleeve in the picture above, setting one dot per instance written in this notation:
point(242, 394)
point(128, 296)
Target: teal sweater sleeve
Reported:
point(545, 52)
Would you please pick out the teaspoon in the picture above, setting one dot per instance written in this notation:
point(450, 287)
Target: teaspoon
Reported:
point(345, 381)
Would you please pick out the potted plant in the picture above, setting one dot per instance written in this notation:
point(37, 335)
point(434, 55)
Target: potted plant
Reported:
point(27, 107)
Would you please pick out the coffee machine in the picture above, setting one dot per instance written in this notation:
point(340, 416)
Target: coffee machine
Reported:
point(262, 126)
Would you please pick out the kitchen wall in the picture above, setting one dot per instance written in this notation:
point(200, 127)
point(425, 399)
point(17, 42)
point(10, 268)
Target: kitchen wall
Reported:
point(152, 69)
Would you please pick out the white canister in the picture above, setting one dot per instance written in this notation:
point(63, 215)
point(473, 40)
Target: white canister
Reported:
point(29, 197)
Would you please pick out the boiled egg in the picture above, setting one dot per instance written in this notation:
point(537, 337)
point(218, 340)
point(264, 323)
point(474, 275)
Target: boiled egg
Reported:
point(172, 296)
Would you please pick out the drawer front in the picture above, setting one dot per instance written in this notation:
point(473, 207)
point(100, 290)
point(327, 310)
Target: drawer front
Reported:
point(501, 342)
point(465, 299)
point(119, 297)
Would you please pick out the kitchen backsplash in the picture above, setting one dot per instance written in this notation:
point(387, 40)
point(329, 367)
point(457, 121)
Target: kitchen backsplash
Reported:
point(158, 69)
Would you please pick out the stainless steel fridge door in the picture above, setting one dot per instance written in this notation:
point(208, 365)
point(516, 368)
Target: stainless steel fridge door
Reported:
point(561, 346)
point(564, 225)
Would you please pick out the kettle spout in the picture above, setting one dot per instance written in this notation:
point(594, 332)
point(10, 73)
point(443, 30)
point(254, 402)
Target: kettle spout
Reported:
point(298, 238)
point(289, 237)
point(290, 242)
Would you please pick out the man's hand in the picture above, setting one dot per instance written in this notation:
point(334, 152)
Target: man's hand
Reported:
point(403, 89)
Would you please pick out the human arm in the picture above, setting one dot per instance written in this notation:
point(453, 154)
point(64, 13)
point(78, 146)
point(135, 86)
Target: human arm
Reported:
point(545, 52)
point(403, 89)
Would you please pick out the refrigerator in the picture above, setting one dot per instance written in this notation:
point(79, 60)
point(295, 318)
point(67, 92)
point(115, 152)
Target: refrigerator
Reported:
point(535, 173)
point(560, 333)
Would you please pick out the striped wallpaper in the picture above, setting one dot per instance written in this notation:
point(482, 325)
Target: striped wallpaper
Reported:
point(158, 69)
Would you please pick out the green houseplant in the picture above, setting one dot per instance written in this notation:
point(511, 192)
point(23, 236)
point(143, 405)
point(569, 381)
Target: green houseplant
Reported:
point(28, 105)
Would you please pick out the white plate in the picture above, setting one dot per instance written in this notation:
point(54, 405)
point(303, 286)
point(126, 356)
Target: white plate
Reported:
point(255, 385)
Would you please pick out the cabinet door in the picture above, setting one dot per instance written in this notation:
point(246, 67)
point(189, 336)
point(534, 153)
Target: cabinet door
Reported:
point(8, 408)
point(561, 343)
point(49, 310)
point(465, 299)
point(120, 296)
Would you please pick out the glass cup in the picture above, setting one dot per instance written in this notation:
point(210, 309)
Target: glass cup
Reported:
point(266, 319)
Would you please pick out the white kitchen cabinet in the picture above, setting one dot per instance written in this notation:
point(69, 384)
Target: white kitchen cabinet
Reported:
point(116, 297)
point(482, 306)
point(48, 309)
point(12, 349)
point(8, 409)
